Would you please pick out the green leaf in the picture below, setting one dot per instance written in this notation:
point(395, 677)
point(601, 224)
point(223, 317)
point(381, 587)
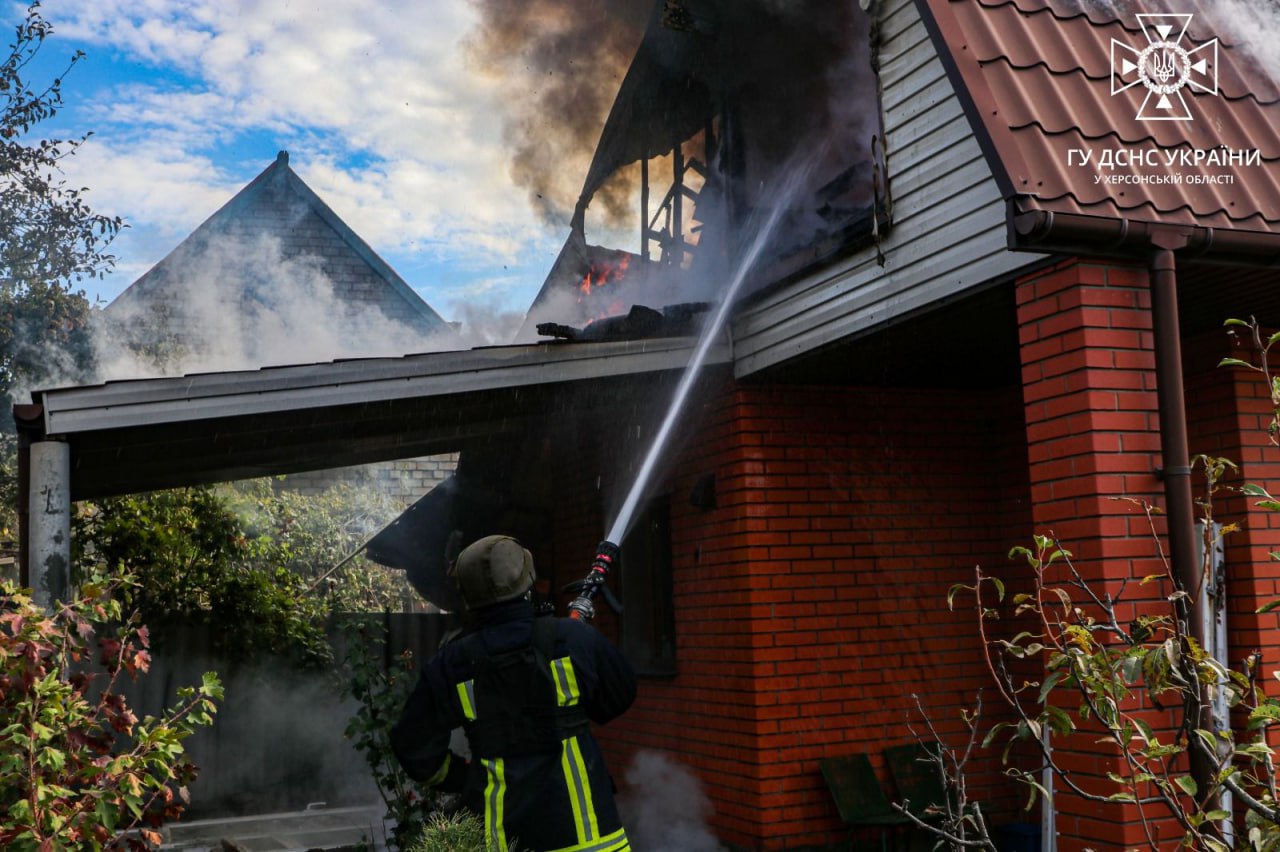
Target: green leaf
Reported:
point(1234, 362)
point(995, 581)
point(1058, 719)
point(1207, 738)
point(1187, 784)
point(1015, 552)
point(994, 732)
point(1231, 322)
point(1049, 683)
point(1249, 489)
point(1034, 788)
point(1148, 733)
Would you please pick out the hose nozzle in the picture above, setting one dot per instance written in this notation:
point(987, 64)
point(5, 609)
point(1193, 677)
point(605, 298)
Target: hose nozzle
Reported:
point(582, 607)
point(606, 556)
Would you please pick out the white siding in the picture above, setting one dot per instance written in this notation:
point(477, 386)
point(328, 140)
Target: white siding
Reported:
point(948, 231)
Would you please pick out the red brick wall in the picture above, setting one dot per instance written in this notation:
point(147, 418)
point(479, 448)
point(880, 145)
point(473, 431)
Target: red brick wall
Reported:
point(811, 602)
point(1228, 412)
point(1092, 432)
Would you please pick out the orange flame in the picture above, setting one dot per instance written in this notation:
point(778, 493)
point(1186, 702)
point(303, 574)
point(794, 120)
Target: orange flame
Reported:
point(600, 273)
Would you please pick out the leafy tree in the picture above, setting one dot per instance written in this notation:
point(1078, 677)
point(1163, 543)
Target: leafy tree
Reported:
point(50, 241)
point(197, 564)
point(274, 563)
point(380, 692)
point(320, 536)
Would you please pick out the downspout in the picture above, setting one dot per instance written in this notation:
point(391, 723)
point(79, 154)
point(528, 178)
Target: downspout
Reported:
point(1176, 471)
point(1176, 475)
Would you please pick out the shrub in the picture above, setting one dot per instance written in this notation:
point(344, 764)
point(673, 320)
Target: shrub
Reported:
point(458, 832)
point(77, 768)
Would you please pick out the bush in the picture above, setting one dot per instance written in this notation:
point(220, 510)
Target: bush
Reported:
point(459, 832)
point(77, 768)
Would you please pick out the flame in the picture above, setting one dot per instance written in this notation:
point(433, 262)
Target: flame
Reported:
point(600, 273)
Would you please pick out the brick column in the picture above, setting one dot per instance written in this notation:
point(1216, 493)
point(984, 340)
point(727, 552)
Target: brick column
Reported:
point(1089, 389)
point(1229, 412)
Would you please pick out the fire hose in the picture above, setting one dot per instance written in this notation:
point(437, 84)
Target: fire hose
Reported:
point(582, 607)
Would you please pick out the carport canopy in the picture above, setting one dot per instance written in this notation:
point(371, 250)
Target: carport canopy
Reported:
point(132, 436)
point(146, 434)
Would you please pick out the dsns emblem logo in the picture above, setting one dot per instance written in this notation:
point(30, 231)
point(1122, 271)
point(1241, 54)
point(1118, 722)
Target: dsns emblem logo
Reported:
point(1165, 67)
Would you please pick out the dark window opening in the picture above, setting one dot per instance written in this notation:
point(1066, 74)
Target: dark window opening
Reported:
point(648, 620)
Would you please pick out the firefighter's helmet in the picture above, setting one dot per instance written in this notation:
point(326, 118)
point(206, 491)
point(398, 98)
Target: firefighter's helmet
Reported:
point(494, 569)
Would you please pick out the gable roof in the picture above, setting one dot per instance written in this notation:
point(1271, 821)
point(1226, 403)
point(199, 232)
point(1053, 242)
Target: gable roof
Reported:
point(278, 204)
point(1038, 81)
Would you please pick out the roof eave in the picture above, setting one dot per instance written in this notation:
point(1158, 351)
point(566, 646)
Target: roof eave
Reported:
point(205, 397)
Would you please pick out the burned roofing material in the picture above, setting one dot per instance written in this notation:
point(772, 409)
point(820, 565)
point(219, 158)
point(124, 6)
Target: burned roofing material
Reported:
point(1050, 84)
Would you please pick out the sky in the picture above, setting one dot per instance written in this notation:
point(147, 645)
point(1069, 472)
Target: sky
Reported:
point(381, 106)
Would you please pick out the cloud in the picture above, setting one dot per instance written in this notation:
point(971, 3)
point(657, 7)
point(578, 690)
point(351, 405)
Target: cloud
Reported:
point(381, 112)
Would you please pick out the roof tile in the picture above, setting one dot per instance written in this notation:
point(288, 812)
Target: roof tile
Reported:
point(1039, 78)
point(1062, 44)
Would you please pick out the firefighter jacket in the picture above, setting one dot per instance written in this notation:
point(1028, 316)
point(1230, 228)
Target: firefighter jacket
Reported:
point(523, 688)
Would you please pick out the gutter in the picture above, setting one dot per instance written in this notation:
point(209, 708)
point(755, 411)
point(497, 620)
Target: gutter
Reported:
point(1160, 246)
point(1045, 230)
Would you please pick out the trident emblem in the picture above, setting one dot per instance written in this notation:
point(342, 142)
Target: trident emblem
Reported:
point(1165, 68)
point(1162, 65)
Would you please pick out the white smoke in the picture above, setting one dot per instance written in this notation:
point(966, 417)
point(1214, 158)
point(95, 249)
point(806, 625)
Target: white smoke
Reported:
point(1255, 26)
point(241, 304)
point(664, 808)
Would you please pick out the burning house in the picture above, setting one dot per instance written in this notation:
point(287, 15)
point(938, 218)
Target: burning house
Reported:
point(988, 303)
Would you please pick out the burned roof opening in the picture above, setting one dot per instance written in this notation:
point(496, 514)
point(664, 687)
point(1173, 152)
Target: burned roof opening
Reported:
point(719, 106)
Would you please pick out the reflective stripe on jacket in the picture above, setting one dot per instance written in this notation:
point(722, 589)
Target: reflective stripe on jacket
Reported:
point(557, 797)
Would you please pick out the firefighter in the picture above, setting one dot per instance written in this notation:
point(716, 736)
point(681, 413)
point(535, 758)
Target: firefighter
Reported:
point(523, 688)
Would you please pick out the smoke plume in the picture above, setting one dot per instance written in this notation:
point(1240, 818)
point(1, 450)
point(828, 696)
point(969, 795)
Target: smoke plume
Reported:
point(664, 806)
point(561, 64)
point(242, 304)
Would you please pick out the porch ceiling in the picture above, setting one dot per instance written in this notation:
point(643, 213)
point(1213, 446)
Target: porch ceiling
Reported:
point(141, 435)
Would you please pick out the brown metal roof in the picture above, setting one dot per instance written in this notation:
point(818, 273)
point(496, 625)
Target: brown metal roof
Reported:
point(1038, 80)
